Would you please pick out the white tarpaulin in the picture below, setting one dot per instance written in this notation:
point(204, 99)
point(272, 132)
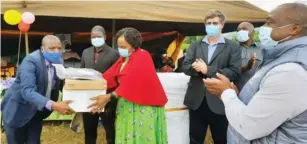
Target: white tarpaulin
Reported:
point(175, 85)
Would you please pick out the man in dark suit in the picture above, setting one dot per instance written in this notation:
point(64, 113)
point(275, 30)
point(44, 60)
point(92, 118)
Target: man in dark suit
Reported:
point(99, 57)
point(33, 95)
point(204, 59)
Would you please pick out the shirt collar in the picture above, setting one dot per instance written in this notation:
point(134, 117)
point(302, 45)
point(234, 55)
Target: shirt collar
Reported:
point(47, 62)
point(252, 46)
point(220, 40)
point(99, 50)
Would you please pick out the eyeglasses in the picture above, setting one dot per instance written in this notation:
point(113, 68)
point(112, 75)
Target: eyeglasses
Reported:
point(211, 23)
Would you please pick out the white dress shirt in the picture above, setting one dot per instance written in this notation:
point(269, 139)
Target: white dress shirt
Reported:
point(282, 95)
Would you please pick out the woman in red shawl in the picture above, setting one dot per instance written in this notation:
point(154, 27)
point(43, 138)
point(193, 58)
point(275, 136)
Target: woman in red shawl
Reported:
point(141, 98)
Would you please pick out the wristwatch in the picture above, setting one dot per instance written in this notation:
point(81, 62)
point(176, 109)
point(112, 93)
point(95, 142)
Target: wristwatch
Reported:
point(112, 97)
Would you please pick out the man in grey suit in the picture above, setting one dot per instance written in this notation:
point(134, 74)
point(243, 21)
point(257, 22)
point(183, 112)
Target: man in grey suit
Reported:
point(99, 57)
point(204, 59)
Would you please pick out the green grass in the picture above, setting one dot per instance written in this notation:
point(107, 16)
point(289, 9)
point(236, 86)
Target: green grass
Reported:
point(57, 116)
point(62, 134)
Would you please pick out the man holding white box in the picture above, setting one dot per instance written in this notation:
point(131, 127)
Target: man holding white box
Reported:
point(33, 95)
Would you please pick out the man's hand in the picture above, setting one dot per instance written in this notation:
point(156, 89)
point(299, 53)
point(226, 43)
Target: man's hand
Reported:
point(62, 107)
point(217, 86)
point(200, 66)
point(251, 63)
point(234, 87)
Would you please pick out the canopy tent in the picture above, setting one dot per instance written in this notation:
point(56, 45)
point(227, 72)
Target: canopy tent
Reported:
point(183, 17)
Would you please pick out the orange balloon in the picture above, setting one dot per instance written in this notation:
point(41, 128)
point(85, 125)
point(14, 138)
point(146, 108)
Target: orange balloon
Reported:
point(23, 27)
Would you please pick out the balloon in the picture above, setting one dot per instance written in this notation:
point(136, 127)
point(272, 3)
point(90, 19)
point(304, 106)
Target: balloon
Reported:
point(12, 17)
point(28, 17)
point(23, 27)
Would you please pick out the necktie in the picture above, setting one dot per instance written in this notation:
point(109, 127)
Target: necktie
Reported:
point(48, 91)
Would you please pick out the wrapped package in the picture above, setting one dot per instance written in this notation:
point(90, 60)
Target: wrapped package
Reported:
point(80, 86)
point(177, 115)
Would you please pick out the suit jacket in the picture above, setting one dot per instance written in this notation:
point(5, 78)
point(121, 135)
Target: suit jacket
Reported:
point(225, 60)
point(179, 64)
point(106, 58)
point(26, 96)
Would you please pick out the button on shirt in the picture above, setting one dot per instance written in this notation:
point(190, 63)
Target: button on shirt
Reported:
point(96, 53)
point(212, 48)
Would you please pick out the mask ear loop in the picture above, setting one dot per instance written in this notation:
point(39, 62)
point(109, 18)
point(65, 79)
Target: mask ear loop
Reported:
point(285, 37)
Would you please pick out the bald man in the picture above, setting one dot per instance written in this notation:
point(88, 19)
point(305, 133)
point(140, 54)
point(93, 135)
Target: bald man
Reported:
point(34, 94)
point(100, 57)
point(251, 54)
point(272, 106)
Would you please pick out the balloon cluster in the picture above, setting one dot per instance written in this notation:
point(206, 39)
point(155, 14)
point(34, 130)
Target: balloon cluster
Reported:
point(24, 20)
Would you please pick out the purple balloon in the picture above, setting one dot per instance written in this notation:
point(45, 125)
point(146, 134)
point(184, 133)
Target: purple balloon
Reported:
point(28, 17)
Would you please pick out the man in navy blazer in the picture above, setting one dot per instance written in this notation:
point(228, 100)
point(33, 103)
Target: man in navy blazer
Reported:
point(33, 96)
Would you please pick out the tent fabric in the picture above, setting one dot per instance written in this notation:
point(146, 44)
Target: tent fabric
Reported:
point(174, 49)
point(168, 11)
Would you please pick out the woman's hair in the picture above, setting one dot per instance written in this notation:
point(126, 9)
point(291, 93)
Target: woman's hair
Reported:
point(132, 36)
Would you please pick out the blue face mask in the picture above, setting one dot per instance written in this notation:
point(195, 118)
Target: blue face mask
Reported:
point(123, 52)
point(53, 57)
point(212, 30)
point(265, 36)
point(97, 42)
point(242, 36)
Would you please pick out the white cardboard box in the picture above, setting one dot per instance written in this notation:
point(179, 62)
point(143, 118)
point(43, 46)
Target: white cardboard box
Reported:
point(81, 98)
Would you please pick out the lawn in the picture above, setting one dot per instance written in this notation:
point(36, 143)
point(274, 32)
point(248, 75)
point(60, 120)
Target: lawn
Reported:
point(60, 133)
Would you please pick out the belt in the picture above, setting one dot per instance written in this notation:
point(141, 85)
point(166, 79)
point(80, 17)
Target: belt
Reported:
point(176, 109)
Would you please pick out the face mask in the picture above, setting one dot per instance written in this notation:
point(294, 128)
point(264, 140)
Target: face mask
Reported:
point(123, 52)
point(242, 36)
point(212, 30)
point(53, 57)
point(265, 36)
point(97, 42)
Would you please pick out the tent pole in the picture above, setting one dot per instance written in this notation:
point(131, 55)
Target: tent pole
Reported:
point(113, 32)
point(27, 43)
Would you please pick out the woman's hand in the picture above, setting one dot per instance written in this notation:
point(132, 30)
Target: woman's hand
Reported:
point(100, 103)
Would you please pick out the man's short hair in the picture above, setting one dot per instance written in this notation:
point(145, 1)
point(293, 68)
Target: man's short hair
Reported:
point(98, 28)
point(215, 13)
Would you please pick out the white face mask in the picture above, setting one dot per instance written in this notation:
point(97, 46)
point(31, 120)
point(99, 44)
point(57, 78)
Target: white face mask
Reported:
point(123, 52)
point(242, 36)
point(265, 36)
point(97, 42)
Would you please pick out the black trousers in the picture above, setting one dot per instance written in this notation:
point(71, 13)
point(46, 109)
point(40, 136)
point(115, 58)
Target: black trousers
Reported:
point(90, 122)
point(27, 134)
point(203, 117)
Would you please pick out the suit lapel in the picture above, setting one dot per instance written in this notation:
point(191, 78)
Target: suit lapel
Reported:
point(219, 48)
point(204, 49)
point(44, 71)
point(102, 55)
point(91, 57)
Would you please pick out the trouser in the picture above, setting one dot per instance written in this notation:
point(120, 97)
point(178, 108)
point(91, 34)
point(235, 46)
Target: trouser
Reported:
point(90, 122)
point(203, 117)
point(27, 134)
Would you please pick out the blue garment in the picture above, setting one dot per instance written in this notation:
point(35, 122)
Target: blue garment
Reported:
point(212, 48)
point(293, 130)
point(25, 100)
